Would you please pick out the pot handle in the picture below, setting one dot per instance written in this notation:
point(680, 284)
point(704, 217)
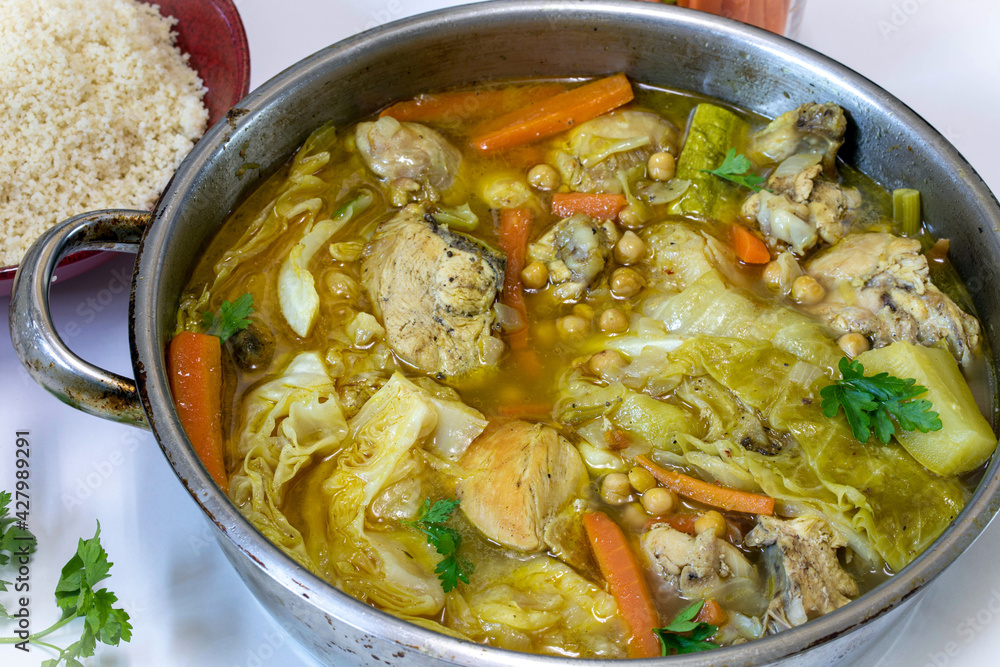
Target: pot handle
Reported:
point(43, 353)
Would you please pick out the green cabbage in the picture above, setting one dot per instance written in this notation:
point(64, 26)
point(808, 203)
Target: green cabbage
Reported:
point(297, 293)
point(289, 422)
point(879, 489)
point(542, 606)
point(393, 569)
point(709, 307)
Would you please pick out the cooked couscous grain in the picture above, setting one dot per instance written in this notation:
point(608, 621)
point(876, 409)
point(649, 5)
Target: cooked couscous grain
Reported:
point(97, 109)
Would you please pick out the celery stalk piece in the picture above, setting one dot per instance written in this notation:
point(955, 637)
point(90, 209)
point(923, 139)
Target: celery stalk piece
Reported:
point(906, 210)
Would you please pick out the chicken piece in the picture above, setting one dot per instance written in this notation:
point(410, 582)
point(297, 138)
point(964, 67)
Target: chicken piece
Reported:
point(600, 148)
point(433, 291)
point(696, 565)
point(410, 156)
point(801, 556)
point(520, 476)
point(810, 128)
point(798, 208)
point(575, 250)
point(878, 285)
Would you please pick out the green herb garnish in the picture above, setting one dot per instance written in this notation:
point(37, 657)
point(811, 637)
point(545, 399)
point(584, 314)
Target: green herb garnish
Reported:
point(685, 635)
point(871, 402)
point(232, 317)
point(446, 541)
point(77, 596)
point(735, 168)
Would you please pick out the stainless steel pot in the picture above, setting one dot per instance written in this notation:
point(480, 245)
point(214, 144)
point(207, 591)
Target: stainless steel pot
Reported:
point(654, 44)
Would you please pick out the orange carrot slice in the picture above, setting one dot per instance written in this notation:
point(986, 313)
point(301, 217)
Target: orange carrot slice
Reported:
point(748, 247)
point(194, 363)
point(712, 613)
point(557, 113)
point(709, 494)
point(459, 105)
point(626, 582)
point(600, 206)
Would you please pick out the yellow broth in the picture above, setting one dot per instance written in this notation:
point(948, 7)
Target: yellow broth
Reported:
point(505, 391)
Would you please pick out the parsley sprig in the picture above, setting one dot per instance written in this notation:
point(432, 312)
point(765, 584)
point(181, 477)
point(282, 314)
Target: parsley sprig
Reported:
point(871, 403)
point(78, 597)
point(685, 635)
point(232, 317)
point(736, 168)
point(446, 541)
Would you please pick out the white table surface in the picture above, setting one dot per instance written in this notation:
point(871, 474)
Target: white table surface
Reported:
point(187, 604)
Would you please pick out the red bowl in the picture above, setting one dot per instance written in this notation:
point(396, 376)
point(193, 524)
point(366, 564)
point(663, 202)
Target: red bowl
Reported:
point(211, 32)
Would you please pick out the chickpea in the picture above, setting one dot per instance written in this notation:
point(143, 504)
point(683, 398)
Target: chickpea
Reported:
point(853, 344)
point(630, 218)
point(545, 333)
point(635, 517)
point(772, 276)
point(641, 479)
point(535, 275)
point(572, 327)
point(626, 282)
point(613, 320)
point(584, 310)
point(606, 362)
point(658, 500)
point(629, 249)
point(807, 291)
point(713, 521)
point(615, 488)
point(661, 166)
point(544, 177)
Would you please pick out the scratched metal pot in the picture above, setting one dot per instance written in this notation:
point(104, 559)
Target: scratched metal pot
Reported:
point(652, 43)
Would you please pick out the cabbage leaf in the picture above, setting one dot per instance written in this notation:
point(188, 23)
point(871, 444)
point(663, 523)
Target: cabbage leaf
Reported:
point(289, 421)
point(542, 606)
point(880, 489)
point(709, 307)
point(297, 293)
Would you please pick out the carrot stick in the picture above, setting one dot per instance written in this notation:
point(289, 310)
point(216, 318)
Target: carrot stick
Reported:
point(557, 113)
point(710, 494)
point(194, 362)
point(627, 583)
point(748, 247)
point(515, 228)
point(682, 522)
point(600, 206)
point(462, 104)
point(712, 613)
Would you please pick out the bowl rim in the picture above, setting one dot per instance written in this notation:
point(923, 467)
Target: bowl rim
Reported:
point(147, 352)
point(76, 264)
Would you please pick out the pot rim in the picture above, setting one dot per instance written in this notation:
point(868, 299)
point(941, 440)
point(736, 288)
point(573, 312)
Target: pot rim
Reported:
point(147, 345)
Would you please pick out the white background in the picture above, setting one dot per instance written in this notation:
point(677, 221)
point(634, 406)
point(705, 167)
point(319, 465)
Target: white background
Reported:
point(188, 607)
